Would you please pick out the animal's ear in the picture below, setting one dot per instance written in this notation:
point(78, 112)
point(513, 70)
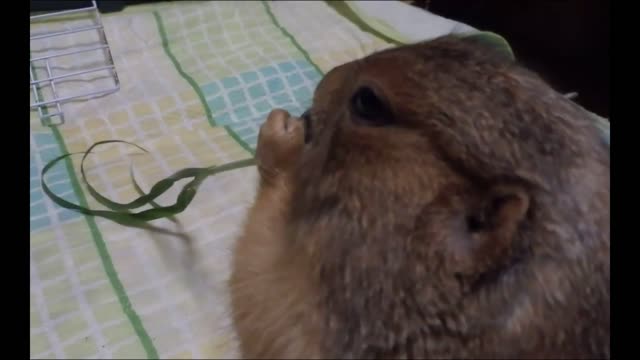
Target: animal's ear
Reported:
point(491, 42)
point(493, 223)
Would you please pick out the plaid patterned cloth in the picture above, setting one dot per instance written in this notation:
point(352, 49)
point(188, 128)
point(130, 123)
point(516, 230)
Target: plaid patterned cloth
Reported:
point(197, 79)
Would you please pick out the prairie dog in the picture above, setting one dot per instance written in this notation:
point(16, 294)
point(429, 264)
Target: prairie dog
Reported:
point(436, 201)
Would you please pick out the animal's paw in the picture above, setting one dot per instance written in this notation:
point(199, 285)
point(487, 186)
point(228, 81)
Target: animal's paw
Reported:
point(280, 143)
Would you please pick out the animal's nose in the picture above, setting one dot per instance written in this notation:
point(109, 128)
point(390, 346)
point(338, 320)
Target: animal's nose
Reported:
point(306, 116)
point(306, 120)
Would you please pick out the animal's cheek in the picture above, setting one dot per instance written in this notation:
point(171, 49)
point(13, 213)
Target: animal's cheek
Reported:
point(460, 254)
point(442, 236)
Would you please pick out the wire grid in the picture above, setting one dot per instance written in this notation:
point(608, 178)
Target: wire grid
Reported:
point(47, 94)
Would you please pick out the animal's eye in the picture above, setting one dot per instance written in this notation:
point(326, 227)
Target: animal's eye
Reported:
point(369, 109)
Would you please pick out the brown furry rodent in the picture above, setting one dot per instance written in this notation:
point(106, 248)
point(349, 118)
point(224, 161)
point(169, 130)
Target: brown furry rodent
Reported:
point(447, 204)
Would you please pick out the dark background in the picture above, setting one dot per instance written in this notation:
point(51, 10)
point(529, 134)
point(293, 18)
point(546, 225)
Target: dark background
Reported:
point(565, 41)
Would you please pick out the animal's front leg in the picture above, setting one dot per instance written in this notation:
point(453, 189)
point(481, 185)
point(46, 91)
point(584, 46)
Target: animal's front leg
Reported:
point(258, 303)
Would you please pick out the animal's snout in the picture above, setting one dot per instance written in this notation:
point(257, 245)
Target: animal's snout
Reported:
point(306, 116)
point(306, 119)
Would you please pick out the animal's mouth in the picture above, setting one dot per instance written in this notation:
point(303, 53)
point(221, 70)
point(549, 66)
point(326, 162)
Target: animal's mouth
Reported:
point(306, 121)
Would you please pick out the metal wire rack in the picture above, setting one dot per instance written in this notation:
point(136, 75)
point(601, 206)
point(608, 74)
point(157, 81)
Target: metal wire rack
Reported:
point(71, 62)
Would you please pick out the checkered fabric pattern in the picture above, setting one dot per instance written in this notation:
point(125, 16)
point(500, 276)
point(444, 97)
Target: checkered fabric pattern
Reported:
point(197, 80)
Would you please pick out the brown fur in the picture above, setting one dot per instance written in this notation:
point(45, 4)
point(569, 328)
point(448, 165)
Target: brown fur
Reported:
point(359, 244)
